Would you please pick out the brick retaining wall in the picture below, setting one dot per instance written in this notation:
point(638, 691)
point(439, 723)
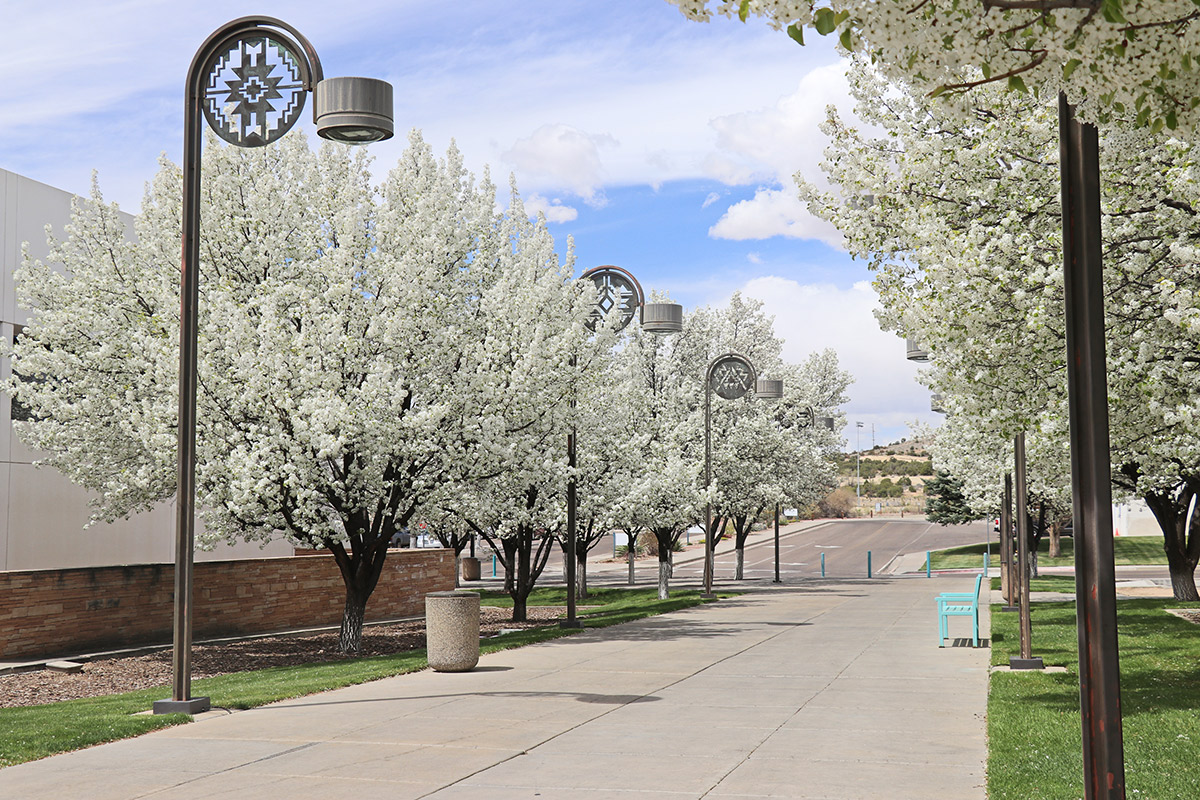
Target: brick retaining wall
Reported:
point(73, 611)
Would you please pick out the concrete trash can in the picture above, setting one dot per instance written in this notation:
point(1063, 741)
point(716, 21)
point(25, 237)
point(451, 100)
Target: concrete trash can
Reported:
point(470, 569)
point(452, 630)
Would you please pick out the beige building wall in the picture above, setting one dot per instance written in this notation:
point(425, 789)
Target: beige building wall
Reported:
point(42, 514)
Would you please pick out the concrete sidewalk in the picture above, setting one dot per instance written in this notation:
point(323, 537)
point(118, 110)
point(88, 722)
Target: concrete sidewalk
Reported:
point(817, 689)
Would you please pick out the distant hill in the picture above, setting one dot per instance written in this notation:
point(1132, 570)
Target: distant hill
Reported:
point(903, 450)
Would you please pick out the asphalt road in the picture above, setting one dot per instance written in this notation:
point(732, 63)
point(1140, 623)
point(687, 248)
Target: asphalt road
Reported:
point(845, 544)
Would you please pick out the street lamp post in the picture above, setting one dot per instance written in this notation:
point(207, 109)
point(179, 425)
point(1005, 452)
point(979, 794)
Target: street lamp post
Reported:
point(1091, 475)
point(249, 80)
point(857, 468)
point(807, 419)
point(1026, 660)
point(731, 376)
point(1007, 574)
point(620, 290)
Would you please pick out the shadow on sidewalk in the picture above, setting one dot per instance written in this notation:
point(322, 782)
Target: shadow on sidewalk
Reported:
point(582, 697)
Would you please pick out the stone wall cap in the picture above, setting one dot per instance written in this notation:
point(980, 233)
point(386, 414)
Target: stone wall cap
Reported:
point(454, 593)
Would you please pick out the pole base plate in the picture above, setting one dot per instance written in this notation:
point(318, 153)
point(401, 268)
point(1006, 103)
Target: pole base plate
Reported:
point(1026, 663)
point(194, 705)
point(570, 623)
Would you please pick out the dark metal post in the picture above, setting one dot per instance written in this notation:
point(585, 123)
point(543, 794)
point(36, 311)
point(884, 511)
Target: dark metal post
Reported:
point(1008, 572)
point(1026, 659)
point(1087, 390)
point(777, 544)
point(572, 536)
point(189, 294)
point(1005, 540)
point(708, 543)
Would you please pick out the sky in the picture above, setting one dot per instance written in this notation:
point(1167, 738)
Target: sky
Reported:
point(654, 143)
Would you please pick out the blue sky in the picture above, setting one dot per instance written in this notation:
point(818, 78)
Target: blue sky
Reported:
point(661, 145)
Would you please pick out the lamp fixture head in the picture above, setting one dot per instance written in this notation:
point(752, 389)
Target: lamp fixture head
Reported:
point(354, 110)
point(662, 317)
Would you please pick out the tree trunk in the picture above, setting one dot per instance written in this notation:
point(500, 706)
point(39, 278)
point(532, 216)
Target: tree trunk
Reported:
point(1181, 545)
point(360, 570)
point(632, 555)
point(1055, 542)
point(581, 575)
point(510, 563)
point(1183, 579)
point(664, 573)
point(739, 571)
point(350, 636)
point(522, 586)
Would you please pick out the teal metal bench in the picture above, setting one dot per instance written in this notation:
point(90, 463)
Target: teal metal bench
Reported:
point(959, 604)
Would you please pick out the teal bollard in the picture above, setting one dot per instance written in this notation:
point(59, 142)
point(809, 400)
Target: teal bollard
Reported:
point(928, 565)
point(493, 565)
point(822, 565)
point(868, 563)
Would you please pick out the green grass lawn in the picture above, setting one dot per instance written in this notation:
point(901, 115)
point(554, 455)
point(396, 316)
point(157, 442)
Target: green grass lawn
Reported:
point(1046, 583)
point(1034, 738)
point(32, 732)
point(1127, 551)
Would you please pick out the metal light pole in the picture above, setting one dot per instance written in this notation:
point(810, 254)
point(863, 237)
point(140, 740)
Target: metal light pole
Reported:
point(620, 290)
point(807, 419)
point(777, 545)
point(857, 467)
point(249, 80)
point(1091, 476)
point(731, 376)
point(1026, 660)
point(1007, 581)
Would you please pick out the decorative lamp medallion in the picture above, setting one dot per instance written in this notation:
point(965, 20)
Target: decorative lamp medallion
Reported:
point(805, 417)
point(254, 91)
point(617, 290)
point(732, 377)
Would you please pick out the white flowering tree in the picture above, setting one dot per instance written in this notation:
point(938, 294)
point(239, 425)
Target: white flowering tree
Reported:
point(348, 357)
point(1131, 59)
point(962, 226)
point(771, 452)
point(664, 425)
point(609, 453)
point(535, 355)
point(764, 452)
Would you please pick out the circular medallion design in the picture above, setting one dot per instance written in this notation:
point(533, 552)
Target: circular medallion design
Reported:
point(732, 377)
point(254, 91)
point(616, 291)
point(805, 417)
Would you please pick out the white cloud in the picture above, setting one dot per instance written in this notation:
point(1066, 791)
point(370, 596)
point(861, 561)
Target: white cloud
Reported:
point(774, 212)
point(564, 156)
point(754, 258)
point(769, 146)
point(778, 140)
point(553, 210)
point(812, 317)
point(712, 198)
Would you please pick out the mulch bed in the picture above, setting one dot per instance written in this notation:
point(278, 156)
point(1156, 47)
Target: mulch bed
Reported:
point(128, 673)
